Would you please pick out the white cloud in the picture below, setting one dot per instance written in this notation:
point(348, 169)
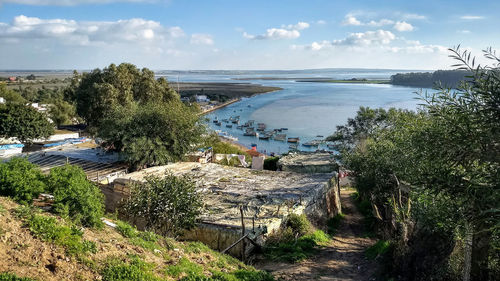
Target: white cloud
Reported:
point(465, 31)
point(88, 32)
point(403, 26)
point(360, 39)
point(470, 17)
point(351, 20)
point(321, 22)
point(70, 2)
point(202, 39)
point(381, 22)
point(299, 26)
point(290, 31)
point(413, 17)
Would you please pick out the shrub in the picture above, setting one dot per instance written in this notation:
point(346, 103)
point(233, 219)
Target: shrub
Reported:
point(75, 196)
point(271, 163)
point(21, 180)
point(168, 204)
point(298, 223)
point(6, 276)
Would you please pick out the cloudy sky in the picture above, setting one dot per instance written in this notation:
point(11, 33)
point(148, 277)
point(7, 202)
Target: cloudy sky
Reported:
point(228, 34)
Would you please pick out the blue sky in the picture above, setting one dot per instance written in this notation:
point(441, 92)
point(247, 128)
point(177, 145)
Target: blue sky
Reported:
point(223, 34)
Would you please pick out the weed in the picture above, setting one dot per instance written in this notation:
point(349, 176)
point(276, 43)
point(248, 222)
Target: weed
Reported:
point(378, 249)
point(126, 229)
point(49, 229)
point(185, 266)
point(5, 276)
point(297, 250)
point(136, 270)
point(334, 223)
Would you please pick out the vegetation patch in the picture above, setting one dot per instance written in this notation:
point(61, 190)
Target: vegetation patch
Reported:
point(5, 276)
point(296, 240)
point(378, 249)
point(334, 223)
point(136, 269)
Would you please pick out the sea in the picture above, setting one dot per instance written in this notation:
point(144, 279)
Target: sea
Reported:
point(308, 110)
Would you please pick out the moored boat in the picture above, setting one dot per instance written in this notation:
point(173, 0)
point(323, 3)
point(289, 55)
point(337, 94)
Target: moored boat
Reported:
point(293, 140)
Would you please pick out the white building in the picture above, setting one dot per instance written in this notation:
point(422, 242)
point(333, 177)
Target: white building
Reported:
point(202, 98)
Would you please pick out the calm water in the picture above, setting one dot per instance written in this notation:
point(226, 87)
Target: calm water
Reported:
point(308, 110)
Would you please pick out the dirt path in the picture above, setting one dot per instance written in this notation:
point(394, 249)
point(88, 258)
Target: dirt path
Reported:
point(342, 259)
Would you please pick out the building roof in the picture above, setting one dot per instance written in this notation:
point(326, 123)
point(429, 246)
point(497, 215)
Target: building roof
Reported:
point(267, 195)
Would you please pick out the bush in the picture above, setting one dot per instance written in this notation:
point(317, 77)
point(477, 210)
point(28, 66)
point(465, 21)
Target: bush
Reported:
point(75, 196)
point(168, 204)
point(126, 229)
point(271, 163)
point(5, 276)
point(298, 223)
point(21, 180)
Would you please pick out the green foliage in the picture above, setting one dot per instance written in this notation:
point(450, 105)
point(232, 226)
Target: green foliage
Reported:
point(184, 266)
point(126, 229)
point(295, 240)
point(136, 269)
point(24, 123)
point(75, 196)
point(334, 223)
point(299, 224)
point(5, 276)
point(271, 163)
point(49, 229)
point(21, 180)
point(295, 250)
point(62, 112)
point(99, 91)
point(433, 172)
point(378, 249)
point(10, 96)
point(168, 204)
point(238, 275)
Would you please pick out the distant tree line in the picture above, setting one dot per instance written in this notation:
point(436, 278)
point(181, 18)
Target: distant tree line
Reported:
point(444, 78)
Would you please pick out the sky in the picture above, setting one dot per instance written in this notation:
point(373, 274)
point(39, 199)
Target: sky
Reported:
point(228, 34)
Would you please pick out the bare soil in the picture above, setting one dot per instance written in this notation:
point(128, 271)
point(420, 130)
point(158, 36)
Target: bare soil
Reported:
point(342, 259)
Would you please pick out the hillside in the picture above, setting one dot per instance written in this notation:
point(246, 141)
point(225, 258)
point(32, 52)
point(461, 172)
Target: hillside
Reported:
point(40, 246)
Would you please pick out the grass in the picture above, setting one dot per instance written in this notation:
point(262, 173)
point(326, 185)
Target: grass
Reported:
point(135, 269)
point(5, 276)
point(184, 266)
point(334, 223)
point(296, 250)
point(49, 229)
point(378, 249)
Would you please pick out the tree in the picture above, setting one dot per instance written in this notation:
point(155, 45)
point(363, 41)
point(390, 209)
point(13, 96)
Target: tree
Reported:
point(9, 95)
point(152, 134)
point(24, 123)
point(168, 204)
point(62, 112)
point(96, 93)
point(75, 196)
point(21, 180)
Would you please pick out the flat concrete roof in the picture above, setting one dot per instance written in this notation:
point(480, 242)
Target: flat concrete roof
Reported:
point(267, 195)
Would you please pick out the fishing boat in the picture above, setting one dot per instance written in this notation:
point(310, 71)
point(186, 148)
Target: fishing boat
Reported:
point(239, 127)
point(229, 126)
point(251, 134)
point(284, 129)
point(264, 137)
point(310, 144)
point(225, 120)
point(293, 140)
point(236, 122)
point(216, 120)
point(319, 136)
point(331, 146)
point(218, 124)
point(261, 126)
point(280, 137)
point(293, 146)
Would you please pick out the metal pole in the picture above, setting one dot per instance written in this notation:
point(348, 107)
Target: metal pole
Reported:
point(242, 234)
